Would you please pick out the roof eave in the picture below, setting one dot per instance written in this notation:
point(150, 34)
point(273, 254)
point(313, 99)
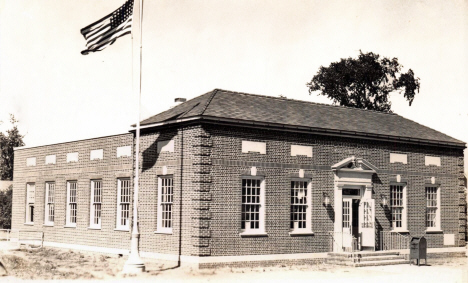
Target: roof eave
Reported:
point(315, 130)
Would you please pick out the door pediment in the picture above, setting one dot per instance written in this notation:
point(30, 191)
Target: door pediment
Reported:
point(355, 164)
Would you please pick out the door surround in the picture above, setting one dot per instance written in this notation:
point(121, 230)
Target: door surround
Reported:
point(351, 173)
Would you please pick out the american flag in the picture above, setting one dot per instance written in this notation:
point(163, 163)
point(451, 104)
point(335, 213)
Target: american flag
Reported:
point(105, 32)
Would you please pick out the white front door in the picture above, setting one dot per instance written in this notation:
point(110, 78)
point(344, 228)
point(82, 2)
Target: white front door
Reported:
point(367, 225)
point(347, 223)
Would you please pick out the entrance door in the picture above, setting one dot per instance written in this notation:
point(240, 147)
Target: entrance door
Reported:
point(366, 213)
point(347, 223)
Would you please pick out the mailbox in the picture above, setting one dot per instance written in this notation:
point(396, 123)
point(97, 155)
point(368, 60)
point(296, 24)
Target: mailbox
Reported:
point(418, 250)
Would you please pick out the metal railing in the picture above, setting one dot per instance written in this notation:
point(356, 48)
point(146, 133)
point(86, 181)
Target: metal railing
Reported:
point(343, 242)
point(393, 241)
point(23, 237)
point(5, 234)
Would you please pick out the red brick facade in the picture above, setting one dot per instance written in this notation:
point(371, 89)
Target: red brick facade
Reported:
point(207, 166)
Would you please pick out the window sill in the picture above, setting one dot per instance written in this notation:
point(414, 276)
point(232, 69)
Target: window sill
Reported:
point(29, 223)
point(94, 228)
point(301, 233)
point(69, 226)
point(122, 229)
point(434, 231)
point(163, 232)
point(48, 225)
point(253, 234)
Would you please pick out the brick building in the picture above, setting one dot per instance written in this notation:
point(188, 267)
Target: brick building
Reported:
point(230, 178)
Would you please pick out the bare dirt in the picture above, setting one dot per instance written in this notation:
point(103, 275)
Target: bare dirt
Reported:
point(60, 264)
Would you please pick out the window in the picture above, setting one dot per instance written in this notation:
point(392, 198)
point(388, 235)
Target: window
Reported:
point(71, 204)
point(96, 203)
point(30, 200)
point(165, 199)
point(252, 218)
point(398, 207)
point(49, 203)
point(432, 208)
point(123, 204)
point(300, 206)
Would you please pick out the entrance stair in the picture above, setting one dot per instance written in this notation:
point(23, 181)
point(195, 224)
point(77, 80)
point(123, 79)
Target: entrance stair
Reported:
point(358, 259)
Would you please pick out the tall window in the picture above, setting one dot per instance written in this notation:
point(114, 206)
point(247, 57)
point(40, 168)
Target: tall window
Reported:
point(398, 206)
point(30, 200)
point(252, 218)
point(96, 203)
point(49, 203)
point(123, 204)
point(432, 208)
point(300, 206)
point(165, 199)
point(71, 204)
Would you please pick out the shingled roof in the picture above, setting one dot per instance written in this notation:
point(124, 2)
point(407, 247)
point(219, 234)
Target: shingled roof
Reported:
point(223, 105)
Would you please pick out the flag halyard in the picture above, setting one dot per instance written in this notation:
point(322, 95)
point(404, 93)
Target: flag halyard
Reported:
point(105, 31)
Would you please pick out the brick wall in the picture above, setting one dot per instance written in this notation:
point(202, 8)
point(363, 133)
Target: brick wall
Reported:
point(207, 167)
point(229, 164)
point(108, 169)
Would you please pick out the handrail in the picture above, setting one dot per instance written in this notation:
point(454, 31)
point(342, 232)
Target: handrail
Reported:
point(390, 240)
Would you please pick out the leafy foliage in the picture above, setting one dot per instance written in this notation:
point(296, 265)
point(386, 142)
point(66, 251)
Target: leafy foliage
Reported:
point(5, 208)
point(365, 82)
point(8, 141)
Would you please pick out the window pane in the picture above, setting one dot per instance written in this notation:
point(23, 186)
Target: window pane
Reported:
point(166, 201)
point(250, 204)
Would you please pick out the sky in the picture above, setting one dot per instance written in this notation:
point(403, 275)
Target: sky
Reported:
point(191, 47)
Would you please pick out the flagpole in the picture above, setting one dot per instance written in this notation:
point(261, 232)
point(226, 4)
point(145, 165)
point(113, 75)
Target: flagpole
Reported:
point(134, 264)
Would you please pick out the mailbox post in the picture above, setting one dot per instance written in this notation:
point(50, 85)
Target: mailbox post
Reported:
point(418, 250)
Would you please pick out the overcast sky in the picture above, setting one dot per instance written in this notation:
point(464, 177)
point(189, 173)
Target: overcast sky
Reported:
point(192, 47)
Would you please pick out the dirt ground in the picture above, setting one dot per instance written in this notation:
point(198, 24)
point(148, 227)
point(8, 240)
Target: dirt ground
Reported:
point(59, 264)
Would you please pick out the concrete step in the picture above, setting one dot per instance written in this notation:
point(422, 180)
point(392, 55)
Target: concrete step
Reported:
point(379, 258)
point(363, 254)
point(381, 262)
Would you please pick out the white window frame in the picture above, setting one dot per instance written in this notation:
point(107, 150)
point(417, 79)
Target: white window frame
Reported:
point(49, 209)
point(30, 204)
point(308, 205)
point(437, 226)
point(404, 212)
point(95, 200)
point(72, 200)
point(246, 231)
point(123, 204)
point(160, 224)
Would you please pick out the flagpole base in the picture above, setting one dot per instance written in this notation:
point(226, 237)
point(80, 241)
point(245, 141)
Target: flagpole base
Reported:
point(134, 264)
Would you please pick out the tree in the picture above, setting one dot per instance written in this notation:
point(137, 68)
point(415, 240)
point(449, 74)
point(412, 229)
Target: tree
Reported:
point(5, 208)
point(365, 82)
point(8, 141)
